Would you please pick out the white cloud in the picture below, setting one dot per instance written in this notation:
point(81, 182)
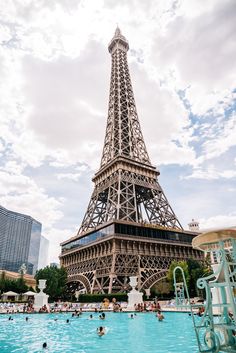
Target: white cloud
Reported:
point(211, 173)
point(54, 95)
point(66, 106)
point(57, 236)
point(198, 48)
point(5, 34)
point(20, 193)
point(218, 221)
point(71, 176)
point(222, 140)
point(164, 120)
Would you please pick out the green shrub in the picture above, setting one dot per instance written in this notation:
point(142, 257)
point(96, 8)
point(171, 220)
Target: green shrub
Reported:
point(98, 298)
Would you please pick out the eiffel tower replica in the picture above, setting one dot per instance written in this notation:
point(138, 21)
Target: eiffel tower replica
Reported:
point(129, 228)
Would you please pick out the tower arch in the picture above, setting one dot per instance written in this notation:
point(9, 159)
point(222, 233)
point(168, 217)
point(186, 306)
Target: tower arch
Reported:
point(82, 279)
point(156, 277)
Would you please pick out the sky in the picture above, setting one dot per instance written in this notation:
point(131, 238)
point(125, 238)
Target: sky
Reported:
point(54, 89)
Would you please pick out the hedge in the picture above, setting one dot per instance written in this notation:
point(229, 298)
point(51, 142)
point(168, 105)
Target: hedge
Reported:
point(98, 298)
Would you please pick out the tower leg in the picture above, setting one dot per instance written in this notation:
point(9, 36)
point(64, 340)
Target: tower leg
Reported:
point(112, 274)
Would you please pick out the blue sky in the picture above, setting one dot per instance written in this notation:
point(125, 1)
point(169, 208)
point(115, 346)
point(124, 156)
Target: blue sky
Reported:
point(54, 90)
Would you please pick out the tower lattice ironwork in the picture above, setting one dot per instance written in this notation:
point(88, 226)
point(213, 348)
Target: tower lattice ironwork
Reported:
point(129, 228)
point(126, 185)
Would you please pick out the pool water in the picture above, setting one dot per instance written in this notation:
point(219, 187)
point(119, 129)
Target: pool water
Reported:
point(143, 334)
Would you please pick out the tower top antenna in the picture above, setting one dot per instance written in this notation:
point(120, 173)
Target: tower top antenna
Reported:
point(118, 40)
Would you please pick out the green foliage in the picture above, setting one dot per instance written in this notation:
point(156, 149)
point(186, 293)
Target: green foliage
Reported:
point(193, 270)
point(3, 282)
point(21, 287)
point(56, 281)
point(197, 270)
point(161, 289)
point(98, 298)
point(184, 266)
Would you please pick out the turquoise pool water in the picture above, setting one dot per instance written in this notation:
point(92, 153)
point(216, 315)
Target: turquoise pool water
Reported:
point(144, 334)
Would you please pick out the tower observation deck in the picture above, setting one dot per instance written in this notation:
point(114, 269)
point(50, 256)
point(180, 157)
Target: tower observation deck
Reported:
point(129, 227)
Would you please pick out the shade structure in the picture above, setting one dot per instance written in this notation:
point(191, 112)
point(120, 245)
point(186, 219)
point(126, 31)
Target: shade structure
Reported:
point(203, 240)
point(29, 293)
point(10, 294)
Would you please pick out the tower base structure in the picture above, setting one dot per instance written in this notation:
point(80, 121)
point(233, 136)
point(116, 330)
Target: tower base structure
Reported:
point(103, 259)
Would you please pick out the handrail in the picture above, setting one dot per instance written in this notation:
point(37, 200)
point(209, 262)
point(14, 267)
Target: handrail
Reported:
point(214, 333)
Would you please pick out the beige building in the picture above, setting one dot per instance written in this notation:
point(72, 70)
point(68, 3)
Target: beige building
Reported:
point(29, 279)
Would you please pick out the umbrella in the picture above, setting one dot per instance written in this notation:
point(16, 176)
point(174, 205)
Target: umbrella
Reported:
point(29, 293)
point(10, 294)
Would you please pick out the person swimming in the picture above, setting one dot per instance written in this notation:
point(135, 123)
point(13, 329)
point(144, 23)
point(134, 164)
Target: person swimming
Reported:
point(101, 331)
point(160, 316)
point(45, 345)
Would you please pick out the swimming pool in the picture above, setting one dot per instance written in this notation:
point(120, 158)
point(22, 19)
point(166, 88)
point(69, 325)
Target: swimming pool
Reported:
point(143, 334)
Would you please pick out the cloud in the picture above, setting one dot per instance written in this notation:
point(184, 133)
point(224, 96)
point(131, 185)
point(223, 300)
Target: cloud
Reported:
point(71, 176)
point(53, 111)
point(198, 48)
point(211, 173)
point(54, 91)
point(218, 221)
point(57, 236)
point(67, 108)
point(222, 140)
point(164, 120)
point(20, 193)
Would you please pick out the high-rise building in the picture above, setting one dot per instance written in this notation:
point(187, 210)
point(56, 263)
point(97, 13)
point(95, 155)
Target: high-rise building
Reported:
point(129, 228)
point(43, 253)
point(20, 237)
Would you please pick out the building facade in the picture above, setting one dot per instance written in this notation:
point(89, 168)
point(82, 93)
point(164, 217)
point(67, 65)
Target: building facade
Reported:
point(20, 237)
point(29, 279)
point(129, 228)
point(43, 253)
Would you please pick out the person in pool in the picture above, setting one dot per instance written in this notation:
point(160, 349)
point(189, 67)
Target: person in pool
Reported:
point(102, 317)
point(101, 331)
point(45, 345)
point(159, 315)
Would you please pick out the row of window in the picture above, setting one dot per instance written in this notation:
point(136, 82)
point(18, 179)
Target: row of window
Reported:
point(89, 238)
point(148, 232)
point(127, 229)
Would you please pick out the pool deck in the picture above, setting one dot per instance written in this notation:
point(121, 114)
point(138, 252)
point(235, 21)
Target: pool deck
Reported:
point(12, 310)
point(64, 307)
